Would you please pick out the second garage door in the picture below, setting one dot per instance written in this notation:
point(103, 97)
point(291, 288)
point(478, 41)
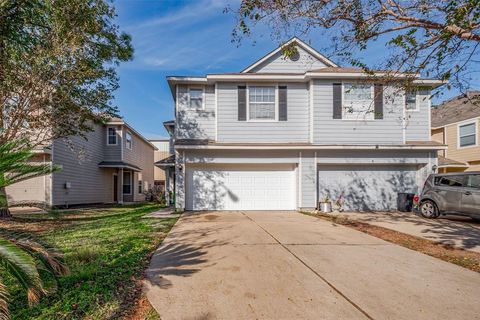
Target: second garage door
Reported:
point(366, 187)
point(250, 187)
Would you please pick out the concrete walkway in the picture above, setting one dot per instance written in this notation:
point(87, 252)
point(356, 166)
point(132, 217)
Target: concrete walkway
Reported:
point(285, 265)
point(460, 232)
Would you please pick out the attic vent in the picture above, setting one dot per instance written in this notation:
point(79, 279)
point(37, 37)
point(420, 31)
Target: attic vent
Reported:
point(295, 56)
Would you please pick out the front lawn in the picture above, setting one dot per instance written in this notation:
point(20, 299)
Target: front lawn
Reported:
point(106, 249)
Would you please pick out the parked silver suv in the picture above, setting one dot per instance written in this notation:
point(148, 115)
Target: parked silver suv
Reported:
point(451, 193)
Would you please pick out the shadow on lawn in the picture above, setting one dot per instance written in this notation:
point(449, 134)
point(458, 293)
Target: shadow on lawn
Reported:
point(450, 231)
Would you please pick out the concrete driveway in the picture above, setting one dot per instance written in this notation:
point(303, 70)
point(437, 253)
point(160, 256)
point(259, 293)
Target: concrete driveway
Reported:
point(285, 265)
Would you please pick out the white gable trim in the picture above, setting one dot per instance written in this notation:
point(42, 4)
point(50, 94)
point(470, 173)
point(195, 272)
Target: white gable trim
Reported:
point(300, 43)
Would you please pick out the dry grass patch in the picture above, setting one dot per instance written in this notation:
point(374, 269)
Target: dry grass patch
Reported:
point(460, 257)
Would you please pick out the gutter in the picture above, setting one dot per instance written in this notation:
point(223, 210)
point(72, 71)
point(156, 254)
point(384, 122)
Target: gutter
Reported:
point(310, 147)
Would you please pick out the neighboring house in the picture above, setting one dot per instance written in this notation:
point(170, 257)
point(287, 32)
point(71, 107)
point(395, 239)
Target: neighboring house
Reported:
point(285, 133)
point(455, 123)
point(162, 152)
point(113, 165)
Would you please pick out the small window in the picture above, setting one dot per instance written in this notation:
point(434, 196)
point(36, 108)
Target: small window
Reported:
point(467, 135)
point(128, 140)
point(411, 100)
point(111, 136)
point(127, 182)
point(195, 98)
point(473, 181)
point(140, 186)
point(358, 101)
point(261, 103)
point(450, 181)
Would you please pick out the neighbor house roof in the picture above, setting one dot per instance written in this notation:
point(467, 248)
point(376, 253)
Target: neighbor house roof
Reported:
point(459, 108)
point(118, 164)
point(446, 162)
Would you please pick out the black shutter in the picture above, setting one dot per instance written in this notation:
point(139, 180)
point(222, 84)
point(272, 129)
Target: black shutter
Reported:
point(378, 101)
point(337, 101)
point(282, 103)
point(242, 103)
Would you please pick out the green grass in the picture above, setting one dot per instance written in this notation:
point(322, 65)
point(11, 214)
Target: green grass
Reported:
point(106, 250)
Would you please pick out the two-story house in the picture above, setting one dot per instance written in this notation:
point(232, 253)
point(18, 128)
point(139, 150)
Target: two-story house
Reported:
point(286, 133)
point(114, 164)
point(455, 123)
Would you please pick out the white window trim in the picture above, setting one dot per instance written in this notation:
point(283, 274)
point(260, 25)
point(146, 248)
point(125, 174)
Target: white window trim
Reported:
point(131, 183)
point(475, 122)
point(276, 102)
point(203, 97)
point(140, 183)
point(116, 136)
point(417, 102)
point(372, 89)
point(126, 140)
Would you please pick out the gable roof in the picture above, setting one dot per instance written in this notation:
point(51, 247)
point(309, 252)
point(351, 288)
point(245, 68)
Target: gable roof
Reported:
point(299, 43)
point(459, 108)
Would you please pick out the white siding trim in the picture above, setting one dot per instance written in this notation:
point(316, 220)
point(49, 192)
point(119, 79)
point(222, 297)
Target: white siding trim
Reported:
point(300, 172)
point(311, 110)
point(216, 112)
point(404, 118)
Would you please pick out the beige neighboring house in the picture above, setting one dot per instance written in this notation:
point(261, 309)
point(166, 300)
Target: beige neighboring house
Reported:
point(113, 165)
point(162, 152)
point(456, 123)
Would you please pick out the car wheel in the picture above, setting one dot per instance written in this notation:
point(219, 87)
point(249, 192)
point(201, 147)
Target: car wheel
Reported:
point(428, 209)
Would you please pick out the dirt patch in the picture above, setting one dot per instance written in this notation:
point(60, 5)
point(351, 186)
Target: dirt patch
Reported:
point(460, 257)
point(211, 217)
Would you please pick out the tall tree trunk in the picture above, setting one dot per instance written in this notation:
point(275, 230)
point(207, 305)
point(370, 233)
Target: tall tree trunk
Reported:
point(4, 211)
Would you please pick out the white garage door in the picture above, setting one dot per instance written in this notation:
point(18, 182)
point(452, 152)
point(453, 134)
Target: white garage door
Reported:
point(242, 188)
point(366, 187)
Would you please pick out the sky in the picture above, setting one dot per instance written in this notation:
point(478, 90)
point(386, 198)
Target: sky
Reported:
point(186, 37)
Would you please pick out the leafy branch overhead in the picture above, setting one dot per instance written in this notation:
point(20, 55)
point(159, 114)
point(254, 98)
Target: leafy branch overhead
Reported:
point(58, 64)
point(435, 38)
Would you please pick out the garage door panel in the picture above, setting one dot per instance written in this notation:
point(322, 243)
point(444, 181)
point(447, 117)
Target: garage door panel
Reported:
point(366, 187)
point(210, 189)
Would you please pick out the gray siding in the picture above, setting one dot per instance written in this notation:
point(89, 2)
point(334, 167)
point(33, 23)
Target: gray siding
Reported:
point(79, 160)
point(417, 122)
point(142, 156)
point(195, 124)
point(113, 152)
point(308, 180)
point(295, 129)
point(340, 131)
point(279, 64)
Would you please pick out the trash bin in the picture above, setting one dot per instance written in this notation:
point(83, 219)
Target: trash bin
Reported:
point(405, 201)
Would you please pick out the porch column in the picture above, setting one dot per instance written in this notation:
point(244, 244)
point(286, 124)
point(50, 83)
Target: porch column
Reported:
point(167, 186)
point(120, 186)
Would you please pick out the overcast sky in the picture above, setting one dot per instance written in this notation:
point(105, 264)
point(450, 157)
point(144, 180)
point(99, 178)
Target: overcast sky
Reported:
point(190, 37)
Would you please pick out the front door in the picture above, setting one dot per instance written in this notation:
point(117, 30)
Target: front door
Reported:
point(115, 188)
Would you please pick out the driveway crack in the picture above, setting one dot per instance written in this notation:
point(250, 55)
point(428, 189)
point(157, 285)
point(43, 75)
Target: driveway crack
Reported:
point(311, 269)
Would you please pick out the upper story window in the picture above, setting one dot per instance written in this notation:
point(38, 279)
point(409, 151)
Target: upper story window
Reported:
point(467, 135)
point(195, 98)
point(411, 100)
point(111, 136)
point(128, 140)
point(261, 103)
point(358, 101)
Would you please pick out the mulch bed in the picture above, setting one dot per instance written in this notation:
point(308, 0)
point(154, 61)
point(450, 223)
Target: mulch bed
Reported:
point(460, 257)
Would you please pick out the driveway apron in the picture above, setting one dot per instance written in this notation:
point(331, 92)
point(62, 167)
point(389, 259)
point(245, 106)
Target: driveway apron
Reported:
point(286, 265)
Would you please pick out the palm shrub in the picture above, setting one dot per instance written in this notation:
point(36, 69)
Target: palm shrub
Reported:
point(22, 256)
